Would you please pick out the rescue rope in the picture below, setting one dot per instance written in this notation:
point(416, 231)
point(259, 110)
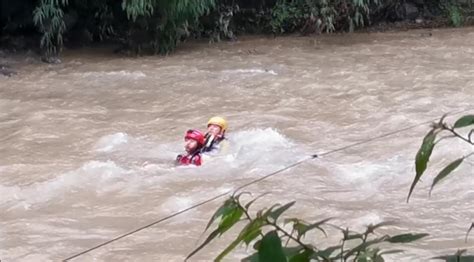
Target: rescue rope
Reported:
point(259, 180)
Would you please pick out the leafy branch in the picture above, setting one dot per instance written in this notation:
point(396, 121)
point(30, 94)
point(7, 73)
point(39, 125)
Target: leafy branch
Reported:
point(267, 234)
point(426, 149)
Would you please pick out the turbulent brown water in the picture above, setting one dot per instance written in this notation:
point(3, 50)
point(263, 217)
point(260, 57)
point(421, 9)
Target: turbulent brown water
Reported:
point(74, 139)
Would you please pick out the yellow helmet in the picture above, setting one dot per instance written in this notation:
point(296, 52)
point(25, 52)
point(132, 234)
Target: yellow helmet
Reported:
point(218, 121)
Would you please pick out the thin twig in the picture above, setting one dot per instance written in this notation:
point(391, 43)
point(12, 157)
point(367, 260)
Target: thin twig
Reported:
point(289, 235)
point(342, 249)
point(458, 135)
point(288, 240)
point(364, 239)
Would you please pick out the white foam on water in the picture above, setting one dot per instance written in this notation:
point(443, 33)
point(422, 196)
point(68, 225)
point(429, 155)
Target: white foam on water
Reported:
point(261, 146)
point(36, 257)
point(111, 142)
point(368, 219)
point(176, 203)
point(244, 150)
point(93, 174)
point(122, 167)
point(251, 71)
point(113, 74)
point(249, 155)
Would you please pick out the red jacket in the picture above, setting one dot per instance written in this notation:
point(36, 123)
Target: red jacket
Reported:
point(189, 159)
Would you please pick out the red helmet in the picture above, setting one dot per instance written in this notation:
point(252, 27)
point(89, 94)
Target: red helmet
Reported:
point(195, 135)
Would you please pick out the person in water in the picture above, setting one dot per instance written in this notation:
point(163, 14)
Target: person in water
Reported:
point(216, 127)
point(194, 142)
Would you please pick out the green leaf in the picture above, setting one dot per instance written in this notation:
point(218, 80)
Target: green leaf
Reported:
point(457, 257)
point(270, 249)
point(292, 251)
point(248, 230)
point(228, 249)
point(353, 236)
point(298, 225)
point(326, 253)
point(230, 218)
point(302, 257)
point(257, 244)
point(464, 121)
point(251, 258)
point(406, 238)
point(316, 225)
point(446, 171)
point(371, 228)
point(394, 251)
point(277, 212)
point(424, 152)
point(247, 206)
point(363, 246)
point(291, 220)
point(208, 239)
point(230, 213)
point(228, 205)
point(422, 158)
point(453, 258)
point(247, 239)
point(369, 255)
point(370, 259)
point(302, 227)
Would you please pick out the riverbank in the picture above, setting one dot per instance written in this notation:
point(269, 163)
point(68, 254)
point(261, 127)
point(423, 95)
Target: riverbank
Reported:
point(13, 60)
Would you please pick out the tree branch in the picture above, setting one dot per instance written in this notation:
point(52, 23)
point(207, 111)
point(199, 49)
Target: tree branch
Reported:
point(456, 134)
